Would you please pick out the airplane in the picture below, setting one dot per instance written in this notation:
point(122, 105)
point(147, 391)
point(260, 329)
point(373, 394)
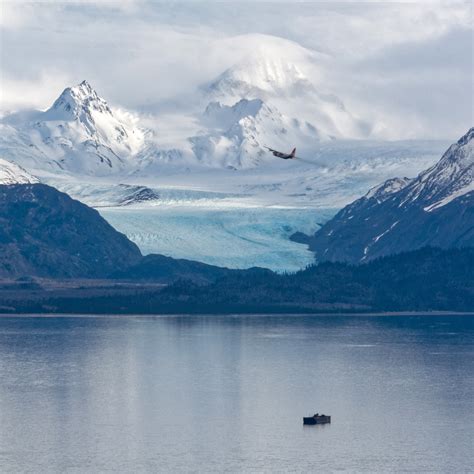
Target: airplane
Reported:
point(283, 156)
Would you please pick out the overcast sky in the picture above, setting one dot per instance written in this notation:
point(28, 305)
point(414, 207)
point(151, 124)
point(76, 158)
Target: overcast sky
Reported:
point(408, 62)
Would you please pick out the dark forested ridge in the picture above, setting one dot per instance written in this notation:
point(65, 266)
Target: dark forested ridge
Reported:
point(428, 279)
point(421, 280)
point(162, 269)
point(44, 232)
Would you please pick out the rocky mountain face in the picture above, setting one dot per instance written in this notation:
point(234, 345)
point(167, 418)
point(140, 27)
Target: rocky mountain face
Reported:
point(44, 232)
point(435, 209)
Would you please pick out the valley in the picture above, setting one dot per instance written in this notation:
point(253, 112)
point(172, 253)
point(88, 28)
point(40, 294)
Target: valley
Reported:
point(194, 180)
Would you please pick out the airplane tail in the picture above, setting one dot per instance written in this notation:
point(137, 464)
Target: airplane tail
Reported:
point(292, 154)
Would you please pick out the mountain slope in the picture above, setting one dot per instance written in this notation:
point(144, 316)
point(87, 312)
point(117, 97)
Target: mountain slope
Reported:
point(11, 173)
point(44, 232)
point(436, 209)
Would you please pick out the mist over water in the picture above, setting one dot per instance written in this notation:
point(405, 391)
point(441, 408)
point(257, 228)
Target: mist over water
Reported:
point(217, 394)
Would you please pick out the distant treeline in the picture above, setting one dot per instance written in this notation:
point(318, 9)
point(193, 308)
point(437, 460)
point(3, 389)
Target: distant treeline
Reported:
point(424, 280)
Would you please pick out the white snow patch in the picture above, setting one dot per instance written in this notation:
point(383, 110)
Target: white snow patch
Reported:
point(376, 239)
point(11, 173)
point(460, 192)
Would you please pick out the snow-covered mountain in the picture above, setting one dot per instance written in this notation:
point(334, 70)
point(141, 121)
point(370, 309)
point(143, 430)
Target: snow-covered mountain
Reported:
point(450, 178)
point(11, 173)
point(79, 134)
point(383, 191)
point(271, 71)
point(236, 135)
point(268, 98)
point(84, 146)
point(436, 209)
point(275, 96)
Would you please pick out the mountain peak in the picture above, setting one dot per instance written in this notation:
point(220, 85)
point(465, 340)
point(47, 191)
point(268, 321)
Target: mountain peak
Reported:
point(260, 76)
point(451, 177)
point(224, 116)
point(384, 190)
point(274, 67)
point(76, 100)
point(80, 133)
point(85, 83)
point(466, 137)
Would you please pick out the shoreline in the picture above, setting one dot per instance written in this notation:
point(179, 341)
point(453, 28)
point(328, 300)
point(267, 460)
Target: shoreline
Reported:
point(241, 315)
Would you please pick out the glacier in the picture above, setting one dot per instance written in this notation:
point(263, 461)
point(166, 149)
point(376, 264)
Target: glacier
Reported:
point(243, 218)
point(234, 237)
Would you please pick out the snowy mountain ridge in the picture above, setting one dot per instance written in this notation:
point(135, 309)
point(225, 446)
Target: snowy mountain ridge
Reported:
point(450, 178)
point(237, 134)
point(383, 191)
point(78, 102)
point(82, 103)
point(11, 173)
point(267, 98)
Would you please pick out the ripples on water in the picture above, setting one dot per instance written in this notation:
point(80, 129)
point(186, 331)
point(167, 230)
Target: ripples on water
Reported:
point(226, 394)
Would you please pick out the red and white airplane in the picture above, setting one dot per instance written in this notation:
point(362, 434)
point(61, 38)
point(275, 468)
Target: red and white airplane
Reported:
point(283, 156)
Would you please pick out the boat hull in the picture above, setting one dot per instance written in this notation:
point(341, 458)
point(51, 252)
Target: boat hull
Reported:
point(316, 420)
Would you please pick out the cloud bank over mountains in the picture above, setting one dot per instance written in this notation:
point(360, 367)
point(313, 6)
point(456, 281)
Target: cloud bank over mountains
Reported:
point(407, 66)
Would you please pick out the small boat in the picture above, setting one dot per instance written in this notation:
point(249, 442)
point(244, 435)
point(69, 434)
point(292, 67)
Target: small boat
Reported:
point(316, 419)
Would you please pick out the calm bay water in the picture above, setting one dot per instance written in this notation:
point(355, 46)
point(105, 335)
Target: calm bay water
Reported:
point(227, 394)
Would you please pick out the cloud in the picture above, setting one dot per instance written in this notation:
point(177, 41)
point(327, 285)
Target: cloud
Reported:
point(419, 89)
point(37, 93)
point(400, 62)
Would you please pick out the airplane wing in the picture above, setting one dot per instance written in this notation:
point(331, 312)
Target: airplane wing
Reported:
point(271, 149)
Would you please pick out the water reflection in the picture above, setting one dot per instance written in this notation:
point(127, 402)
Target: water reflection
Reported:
point(228, 393)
